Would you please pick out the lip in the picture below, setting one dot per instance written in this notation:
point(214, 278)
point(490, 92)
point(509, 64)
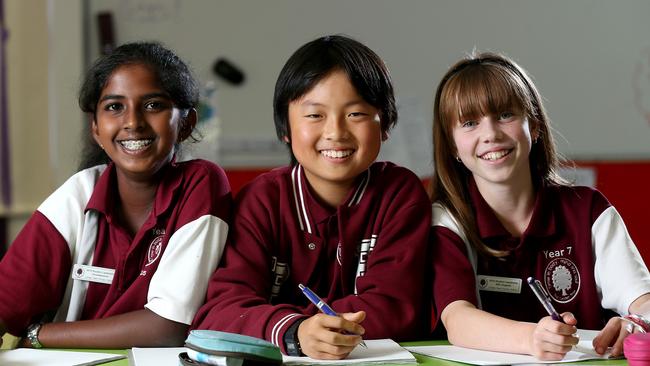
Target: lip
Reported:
point(135, 146)
point(337, 154)
point(494, 155)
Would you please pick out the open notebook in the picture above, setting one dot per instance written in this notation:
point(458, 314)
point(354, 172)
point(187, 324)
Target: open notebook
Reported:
point(583, 351)
point(379, 351)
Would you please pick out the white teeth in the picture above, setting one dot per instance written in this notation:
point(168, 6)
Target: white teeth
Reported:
point(337, 153)
point(136, 144)
point(494, 155)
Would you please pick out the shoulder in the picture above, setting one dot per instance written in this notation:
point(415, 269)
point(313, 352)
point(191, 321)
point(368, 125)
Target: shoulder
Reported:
point(77, 189)
point(393, 173)
point(580, 198)
point(200, 167)
point(442, 218)
point(65, 207)
point(388, 177)
point(270, 184)
point(199, 171)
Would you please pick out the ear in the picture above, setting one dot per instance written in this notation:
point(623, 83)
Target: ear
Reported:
point(94, 131)
point(384, 135)
point(534, 131)
point(187, 125)
point(286, 140)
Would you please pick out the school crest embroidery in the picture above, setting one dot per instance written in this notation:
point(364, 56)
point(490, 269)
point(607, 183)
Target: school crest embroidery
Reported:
point(562, 280)
point(155, 248)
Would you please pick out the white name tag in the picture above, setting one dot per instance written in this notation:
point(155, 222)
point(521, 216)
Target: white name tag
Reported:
point(83, 272)
point(499, 284)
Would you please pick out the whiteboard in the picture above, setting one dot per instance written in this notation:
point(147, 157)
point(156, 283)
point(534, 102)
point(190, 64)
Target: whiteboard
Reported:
point(589, 58)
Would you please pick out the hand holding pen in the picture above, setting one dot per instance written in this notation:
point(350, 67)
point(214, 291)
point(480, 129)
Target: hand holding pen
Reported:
point(320, 304)
point(550, 340)
point(543, 298)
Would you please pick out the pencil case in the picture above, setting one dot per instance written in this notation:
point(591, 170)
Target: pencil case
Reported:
point(637, 349)
point(210, 347)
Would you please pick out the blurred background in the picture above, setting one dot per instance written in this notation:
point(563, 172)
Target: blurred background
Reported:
point(589, 58)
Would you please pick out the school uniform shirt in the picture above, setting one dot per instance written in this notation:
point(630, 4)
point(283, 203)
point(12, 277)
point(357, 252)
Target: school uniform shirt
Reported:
point(576, 245)
point(367, 254)
point(165, 267)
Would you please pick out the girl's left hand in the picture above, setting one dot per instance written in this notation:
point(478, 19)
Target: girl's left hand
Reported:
point(612, 335)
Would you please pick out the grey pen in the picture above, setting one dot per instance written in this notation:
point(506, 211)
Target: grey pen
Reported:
point(543, 297)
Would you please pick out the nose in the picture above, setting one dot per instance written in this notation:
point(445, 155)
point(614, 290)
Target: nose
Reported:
point(335, 128)
point(133, 119)
point(491, 130)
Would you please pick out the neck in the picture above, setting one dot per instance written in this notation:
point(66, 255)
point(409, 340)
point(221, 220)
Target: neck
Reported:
point(136, 202)
point(512, 203)
point(331, 193)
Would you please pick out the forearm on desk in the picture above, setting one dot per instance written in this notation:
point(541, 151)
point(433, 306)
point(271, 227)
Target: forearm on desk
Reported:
point(142, 328)
point(470, 327)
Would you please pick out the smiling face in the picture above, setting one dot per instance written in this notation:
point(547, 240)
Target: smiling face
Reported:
point(335, 134)
point(495, 148)
point(136, 123)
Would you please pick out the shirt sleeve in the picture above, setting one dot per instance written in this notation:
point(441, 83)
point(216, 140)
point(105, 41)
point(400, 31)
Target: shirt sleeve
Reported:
point(239, 291)
point(453, 274)
point(178, 287)
point(392, 291)
point(615, 252)
point(33, 274)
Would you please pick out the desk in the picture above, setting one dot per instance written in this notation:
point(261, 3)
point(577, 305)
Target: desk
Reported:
point(422, 360)
point(430, 361)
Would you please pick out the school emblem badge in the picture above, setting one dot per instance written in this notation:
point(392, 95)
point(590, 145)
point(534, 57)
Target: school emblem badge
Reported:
point(155, 248)
point(562, 280)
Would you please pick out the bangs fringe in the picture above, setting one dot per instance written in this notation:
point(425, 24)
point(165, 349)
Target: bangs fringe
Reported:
point(482, 90)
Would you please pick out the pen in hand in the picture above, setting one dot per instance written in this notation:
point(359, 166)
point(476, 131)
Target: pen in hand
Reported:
point(320, 304)
point(543, 297)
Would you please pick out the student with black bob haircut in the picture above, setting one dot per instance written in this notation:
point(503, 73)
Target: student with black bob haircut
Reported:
point(315, 60)
point(350, 228)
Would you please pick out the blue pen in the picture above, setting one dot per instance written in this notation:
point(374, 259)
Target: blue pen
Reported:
point(320, 304)
point(543, 297)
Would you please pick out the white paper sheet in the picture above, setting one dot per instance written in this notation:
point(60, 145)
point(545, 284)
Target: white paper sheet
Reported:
point(583, 351)
point(155, 356)
point(39, 357)
point(379, 351)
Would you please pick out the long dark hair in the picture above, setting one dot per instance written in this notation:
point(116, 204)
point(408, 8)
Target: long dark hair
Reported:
point(174, 76)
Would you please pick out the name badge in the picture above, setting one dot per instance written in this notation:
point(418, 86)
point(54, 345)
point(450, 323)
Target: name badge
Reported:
point(499, 284)
point(83, 272)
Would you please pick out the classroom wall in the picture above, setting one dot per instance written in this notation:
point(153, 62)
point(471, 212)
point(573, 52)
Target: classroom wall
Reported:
point(44, 55)
point(590, 59)
point(587, 56)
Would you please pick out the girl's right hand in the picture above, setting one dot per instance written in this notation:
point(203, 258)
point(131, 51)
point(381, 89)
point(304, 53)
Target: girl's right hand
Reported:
point(331, 337)
point(551, 339)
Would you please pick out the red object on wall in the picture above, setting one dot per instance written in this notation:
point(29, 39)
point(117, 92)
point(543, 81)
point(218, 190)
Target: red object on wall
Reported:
point(623, 183)
point(625, 186)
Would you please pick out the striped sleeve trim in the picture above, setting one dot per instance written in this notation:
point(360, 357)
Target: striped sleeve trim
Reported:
point(277, 328)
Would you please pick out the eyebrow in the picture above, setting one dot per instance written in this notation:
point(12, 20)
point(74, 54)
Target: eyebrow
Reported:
point(146, 96)
point(309, 103)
